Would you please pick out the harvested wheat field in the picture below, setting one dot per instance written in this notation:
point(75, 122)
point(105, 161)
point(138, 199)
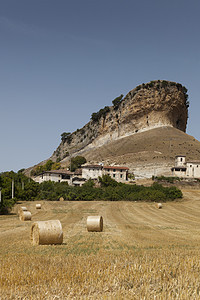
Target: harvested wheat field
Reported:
point(143, 252)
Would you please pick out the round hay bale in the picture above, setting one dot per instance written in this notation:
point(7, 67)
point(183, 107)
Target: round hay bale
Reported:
point(22, 208)
point(46, 232)
point(61, 199)
point(95, 223)
point(25, 216)
point(38, 206)
point(159, 205)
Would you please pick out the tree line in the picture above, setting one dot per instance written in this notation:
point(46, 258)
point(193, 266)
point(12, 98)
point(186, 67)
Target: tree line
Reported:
point(27, 189)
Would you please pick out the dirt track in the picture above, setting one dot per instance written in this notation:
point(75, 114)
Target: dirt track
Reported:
point(126, 224)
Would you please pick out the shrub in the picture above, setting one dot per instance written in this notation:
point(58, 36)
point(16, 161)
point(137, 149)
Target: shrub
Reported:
point(101, 113)
point(106, 181)
point(65, 136)
point(116, 102)
point(76, 162)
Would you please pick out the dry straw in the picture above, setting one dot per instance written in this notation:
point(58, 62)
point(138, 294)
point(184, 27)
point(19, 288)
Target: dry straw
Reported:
point(46, 232)
point(25, 216)
point(38, 206)
point(22, 208)
point(95, 223)
point(159, 205)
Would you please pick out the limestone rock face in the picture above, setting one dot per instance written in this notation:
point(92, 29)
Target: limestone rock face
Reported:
point(151, 105)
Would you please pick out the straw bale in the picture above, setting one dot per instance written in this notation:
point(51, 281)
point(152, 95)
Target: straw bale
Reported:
point(61, 199)
point(46, 232)
point(38, 206)
point(25, 216)
point(159, 205)
point(22, 208)
point(95, 223)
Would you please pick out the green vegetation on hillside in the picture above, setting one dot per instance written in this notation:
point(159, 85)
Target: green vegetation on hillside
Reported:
point(159, 84)
point(101, 113)
point(76, 162)
point(116, 102)
point(48, 166)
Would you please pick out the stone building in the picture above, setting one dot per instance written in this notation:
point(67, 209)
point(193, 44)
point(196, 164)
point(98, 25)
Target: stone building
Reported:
point(79, 177)
point(72, 178)
point(186, 169)
point(118, 173)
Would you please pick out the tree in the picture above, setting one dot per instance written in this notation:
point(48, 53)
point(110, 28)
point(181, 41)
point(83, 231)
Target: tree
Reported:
point(48, 165)
point(65, 136)
point(116, 102)
point(106, 181)
point(76, 162)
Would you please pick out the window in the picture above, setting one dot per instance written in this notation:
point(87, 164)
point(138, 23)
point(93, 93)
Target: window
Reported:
point(114, 170)
point(181, 159)
point(66, 176)
point(113, 175)
point(121, 176)
point(121, 171)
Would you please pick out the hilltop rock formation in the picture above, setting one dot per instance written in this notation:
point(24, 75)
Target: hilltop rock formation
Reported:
point(148, 106)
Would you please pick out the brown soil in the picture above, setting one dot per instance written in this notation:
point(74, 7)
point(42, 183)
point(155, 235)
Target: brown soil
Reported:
point(159, 145)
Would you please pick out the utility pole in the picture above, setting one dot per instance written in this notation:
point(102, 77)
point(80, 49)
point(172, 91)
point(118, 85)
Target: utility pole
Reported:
point(12, 188)
point(70, 161)
point(22, 185)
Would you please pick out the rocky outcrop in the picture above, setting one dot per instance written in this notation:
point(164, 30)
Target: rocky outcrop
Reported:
point(151, 105)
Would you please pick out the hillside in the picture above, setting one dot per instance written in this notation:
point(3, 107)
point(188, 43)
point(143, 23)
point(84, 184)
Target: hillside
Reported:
point(147, 153)
point(144, 131)
point(148, 106)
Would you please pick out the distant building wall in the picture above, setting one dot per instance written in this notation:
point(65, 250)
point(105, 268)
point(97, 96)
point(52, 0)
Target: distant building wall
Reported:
point(120, 174)
point(193, 169)
point(92, 171)
point(186, 169)
point(180, 161)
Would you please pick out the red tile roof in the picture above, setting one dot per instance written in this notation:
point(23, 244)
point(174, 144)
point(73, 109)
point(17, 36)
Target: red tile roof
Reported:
point(115, 167)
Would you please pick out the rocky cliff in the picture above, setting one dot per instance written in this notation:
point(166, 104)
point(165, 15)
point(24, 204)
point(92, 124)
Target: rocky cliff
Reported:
point(151, 105)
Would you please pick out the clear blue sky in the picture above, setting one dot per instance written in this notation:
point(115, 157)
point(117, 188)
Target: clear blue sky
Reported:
point(62, 60)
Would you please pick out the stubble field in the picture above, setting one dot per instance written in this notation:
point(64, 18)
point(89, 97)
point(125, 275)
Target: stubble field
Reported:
point(142, 253)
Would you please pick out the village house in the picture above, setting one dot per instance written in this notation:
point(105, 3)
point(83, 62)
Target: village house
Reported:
point(118, 173)
point(55, 175)
point(80, 176)
point(72, 178)
point(186, 169)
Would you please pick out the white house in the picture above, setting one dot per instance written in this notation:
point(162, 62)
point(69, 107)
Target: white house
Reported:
point(193, 169)
point(186, 169)
point(92, 171)
point(118, 173)
point(56, 176)
point(79, 177)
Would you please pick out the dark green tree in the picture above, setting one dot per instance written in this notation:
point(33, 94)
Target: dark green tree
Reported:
point(76, 162)
point(106, 181)
point(116, 102)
